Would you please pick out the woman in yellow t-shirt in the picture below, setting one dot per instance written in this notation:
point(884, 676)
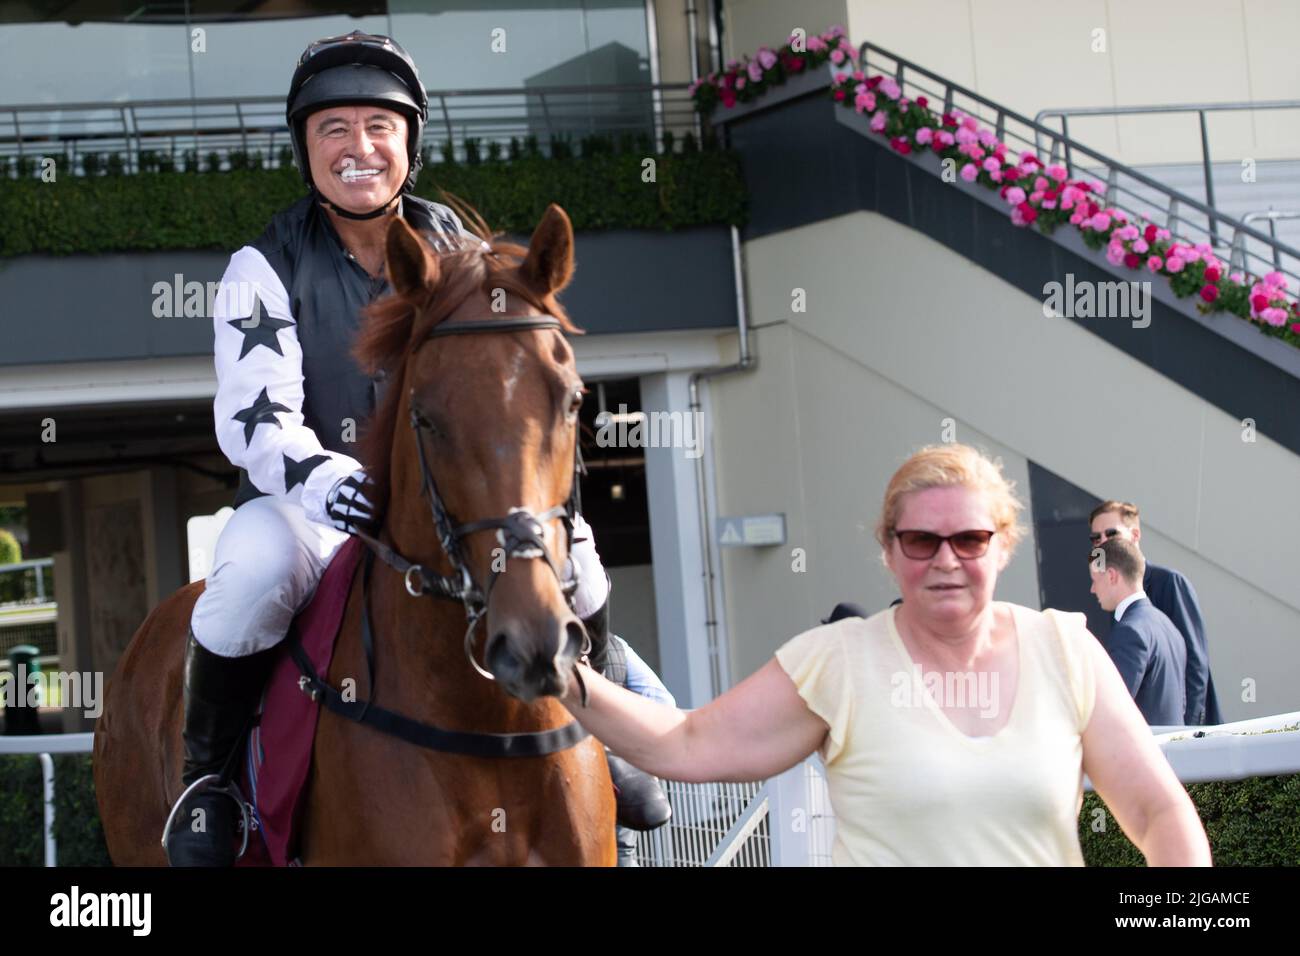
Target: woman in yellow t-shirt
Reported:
point(955, 729)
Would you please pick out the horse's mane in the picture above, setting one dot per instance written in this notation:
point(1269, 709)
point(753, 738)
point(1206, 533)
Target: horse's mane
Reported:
point(393, 327)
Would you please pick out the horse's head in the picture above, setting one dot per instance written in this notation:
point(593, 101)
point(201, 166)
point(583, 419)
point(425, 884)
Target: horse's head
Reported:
point(496, 411)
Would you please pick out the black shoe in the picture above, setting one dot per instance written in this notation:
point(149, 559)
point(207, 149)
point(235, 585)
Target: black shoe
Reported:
point(642, 803)
point(220, 696)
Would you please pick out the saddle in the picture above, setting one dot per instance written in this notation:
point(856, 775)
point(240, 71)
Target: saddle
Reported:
point(279, 748)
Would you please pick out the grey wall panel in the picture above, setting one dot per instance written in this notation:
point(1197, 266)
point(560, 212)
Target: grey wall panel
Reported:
point(85, 308)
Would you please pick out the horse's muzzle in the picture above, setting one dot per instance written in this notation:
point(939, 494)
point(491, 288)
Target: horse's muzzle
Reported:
point(534, 660)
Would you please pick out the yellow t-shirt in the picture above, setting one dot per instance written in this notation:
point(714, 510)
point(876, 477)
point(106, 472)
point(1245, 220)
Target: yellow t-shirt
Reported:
point(910, 789)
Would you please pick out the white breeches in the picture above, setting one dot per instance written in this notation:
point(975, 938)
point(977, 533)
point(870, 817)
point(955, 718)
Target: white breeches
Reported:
point(269, 558)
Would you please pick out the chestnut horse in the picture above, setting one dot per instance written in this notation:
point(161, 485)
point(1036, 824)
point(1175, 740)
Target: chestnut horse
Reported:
point(494, 419)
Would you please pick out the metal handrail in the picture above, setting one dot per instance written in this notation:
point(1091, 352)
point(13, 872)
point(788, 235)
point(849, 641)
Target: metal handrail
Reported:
point(1200, 109)
point(1238, 258)
point(1179, 207)
point(218, 123)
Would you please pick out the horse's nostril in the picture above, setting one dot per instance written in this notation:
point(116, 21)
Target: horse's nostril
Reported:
point(576, 640)
point(500, 659)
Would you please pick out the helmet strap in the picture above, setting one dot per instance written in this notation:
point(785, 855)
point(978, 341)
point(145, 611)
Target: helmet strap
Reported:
point(348, 214)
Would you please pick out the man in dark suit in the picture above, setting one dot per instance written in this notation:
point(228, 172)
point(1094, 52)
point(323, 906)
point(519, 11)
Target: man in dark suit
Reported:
point(1147, 649)
point(1173, 594)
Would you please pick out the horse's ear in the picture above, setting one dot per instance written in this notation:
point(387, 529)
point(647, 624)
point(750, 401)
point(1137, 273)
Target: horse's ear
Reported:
point(549, 265)
point(412, 267)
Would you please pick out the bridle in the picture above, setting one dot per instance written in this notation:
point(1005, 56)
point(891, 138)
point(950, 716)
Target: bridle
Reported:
point(521, 535)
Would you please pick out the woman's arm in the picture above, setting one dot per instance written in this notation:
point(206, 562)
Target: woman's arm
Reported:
point(756, 730)
point(1133, 777)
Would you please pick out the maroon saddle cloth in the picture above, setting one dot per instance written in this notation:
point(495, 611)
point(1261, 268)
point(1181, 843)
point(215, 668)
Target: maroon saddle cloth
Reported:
point(278, 759)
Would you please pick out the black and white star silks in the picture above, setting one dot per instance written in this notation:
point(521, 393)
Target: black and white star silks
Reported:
point(348, 506)
point(259, 329)
point(262, 387)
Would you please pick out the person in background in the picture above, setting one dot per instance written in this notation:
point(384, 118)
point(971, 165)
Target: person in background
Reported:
point(1172, 593)
point(1145, 646)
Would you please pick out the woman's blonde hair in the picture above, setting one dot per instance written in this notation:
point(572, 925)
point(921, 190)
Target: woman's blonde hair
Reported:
point(943, 466)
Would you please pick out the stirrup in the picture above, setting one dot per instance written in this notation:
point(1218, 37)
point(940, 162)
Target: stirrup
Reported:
point(212, 781)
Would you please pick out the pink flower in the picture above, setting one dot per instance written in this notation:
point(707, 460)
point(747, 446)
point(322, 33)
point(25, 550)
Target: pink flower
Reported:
point(1274, 316)
point(1114, 254)
point(1057, 172)
point(1209, 292)
point(1132, 260)
point(1258, 302)
point(816, 44)
point(766, 58)
point(969, 172)
point(859, 75)
point(900, 144)
point(1174, 264)
point(755, 71)
point(1100, 222)
point(996, 175)
point(965, 136)
point(740, 82)
point(889, 86)
point(1049, 203)
point(991, 165)
point(840, 78)
point(974, 152)
point(1015, 195)
point(944, 138)
point(864, 101)
point(1213, 273)
point(840, 95)
point(924, 135)
point(837, 56)
point(1140, 246)
point(987, 139)
point(1276, 280)
point(877, 121)
point(1155, 263)
point(1075, 217)
point(1040, 183)
point(1237, 277)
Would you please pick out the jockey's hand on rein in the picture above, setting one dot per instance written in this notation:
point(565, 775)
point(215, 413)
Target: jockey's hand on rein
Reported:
point(348, 504)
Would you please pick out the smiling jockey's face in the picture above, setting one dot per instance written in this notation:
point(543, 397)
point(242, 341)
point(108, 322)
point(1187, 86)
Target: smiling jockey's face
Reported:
point(357, 154)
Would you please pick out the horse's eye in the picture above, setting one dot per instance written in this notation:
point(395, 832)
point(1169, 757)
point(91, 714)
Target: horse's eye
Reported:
point(575, 403)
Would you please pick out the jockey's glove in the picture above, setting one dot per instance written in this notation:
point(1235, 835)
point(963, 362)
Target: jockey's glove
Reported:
point(348, 504)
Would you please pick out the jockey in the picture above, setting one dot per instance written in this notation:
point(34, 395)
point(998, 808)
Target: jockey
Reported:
point(290, 400)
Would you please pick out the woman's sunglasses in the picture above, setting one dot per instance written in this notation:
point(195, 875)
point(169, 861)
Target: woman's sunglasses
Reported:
point(922, 545)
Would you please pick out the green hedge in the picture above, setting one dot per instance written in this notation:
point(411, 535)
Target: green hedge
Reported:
point(225, 210)
point(1254, 822)
point(77, 833)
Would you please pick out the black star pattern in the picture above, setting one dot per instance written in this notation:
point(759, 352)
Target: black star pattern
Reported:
point(296, 472)
point(263, 332)
point(262, 410)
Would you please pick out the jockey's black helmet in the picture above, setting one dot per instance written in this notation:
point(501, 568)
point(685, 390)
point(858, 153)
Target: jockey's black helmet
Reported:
point(357, 68)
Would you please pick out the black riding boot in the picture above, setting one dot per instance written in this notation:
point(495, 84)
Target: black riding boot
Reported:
point(642, 803)
point(220, 696)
